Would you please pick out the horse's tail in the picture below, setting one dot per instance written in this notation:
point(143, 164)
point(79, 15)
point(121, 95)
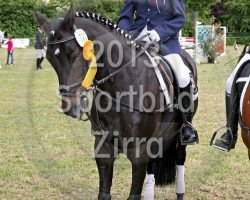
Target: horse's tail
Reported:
point(164, 167)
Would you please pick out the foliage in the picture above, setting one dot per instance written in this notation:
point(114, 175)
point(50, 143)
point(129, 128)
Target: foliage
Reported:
point(201, 7)
point(236, 16)
point(107, 8)
point(17, 17)
point(217, 10)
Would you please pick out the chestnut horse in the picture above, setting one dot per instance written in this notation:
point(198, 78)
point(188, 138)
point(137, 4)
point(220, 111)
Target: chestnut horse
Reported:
point(242, 98)
point(245, 115)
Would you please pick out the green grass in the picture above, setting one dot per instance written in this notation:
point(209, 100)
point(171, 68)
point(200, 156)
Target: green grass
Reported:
point(47, 155)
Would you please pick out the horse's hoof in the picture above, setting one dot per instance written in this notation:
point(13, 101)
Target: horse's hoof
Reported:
point(180, 196)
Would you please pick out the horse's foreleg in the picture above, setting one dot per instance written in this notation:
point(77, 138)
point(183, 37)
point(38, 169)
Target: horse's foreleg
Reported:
point(105, 162)
point(139, 166)
point(180, 169)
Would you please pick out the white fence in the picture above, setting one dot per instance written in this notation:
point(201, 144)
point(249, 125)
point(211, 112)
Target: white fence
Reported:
point(19, 43)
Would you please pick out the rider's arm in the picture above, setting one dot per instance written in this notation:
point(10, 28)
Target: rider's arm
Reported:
point(170, 28)
point(127, 15)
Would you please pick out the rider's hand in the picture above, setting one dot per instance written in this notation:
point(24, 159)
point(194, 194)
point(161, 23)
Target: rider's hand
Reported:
point(153, 36)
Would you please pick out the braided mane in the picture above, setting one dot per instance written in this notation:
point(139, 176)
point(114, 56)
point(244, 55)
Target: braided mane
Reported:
point(107, 22)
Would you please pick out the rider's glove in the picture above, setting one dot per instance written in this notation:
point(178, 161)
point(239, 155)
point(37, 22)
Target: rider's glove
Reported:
point(153, 36)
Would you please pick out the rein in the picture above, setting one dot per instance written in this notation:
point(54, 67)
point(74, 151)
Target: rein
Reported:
point(103, 80)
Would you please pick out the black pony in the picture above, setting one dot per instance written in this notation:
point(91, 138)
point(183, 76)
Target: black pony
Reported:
point(122, 121)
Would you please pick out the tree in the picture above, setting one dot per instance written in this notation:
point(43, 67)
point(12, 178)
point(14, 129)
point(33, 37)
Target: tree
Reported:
point(15, 17)
point(240, 21)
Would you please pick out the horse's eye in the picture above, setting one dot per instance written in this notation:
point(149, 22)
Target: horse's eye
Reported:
point(75, 56)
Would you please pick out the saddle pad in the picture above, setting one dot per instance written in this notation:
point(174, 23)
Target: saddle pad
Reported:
point(243, 96)
point(164, 76)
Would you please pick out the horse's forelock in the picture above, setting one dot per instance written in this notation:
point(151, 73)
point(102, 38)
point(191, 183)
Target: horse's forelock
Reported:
point(55, 25)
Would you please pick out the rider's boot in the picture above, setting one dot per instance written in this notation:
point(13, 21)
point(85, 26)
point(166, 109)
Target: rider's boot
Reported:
point(229, 138)
point(41, 62)
point(37, 63)
point(188, 133)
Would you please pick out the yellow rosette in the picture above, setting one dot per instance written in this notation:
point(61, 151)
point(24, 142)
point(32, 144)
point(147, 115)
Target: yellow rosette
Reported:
point(89, 54)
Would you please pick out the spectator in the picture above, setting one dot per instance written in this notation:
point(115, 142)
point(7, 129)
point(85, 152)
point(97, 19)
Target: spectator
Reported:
point(10, 50)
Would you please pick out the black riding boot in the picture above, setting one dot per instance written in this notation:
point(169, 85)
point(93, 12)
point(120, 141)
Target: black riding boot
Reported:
point(37, 63)
point(41, 60)
point(188, 133)
point(229, 138)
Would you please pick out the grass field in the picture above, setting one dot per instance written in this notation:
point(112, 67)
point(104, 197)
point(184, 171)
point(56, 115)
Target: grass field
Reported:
point(47, 155)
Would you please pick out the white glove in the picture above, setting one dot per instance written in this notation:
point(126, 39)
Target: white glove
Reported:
point(153, 36)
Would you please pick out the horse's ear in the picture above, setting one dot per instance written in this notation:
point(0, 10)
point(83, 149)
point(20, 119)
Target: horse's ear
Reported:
point(69, 19)
point(43, 22)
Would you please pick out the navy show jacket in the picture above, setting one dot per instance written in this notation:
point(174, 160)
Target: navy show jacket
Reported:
point(166, 17)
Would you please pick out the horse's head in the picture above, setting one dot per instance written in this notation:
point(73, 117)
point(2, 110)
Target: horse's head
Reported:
point(65, 55)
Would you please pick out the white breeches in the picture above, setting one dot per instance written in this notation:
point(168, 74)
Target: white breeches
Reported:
point(231, 78)
point(40, 53)
point(181, 70)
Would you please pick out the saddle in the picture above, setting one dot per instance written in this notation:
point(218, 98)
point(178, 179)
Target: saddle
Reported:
point(166, 72)
point(169, 85)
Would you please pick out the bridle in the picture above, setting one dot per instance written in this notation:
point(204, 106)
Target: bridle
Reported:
point(72, 87)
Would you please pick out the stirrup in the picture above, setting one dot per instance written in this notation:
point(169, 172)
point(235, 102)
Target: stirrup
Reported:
point(212, 143)
point(188, 125)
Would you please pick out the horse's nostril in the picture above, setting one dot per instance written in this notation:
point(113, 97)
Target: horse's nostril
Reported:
point(62, 91)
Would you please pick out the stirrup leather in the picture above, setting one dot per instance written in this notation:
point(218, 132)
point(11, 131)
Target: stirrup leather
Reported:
point(213, 144)
point(190, 126)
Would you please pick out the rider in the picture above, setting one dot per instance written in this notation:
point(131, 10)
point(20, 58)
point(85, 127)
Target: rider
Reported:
point(229, 138)
point(162, 20)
